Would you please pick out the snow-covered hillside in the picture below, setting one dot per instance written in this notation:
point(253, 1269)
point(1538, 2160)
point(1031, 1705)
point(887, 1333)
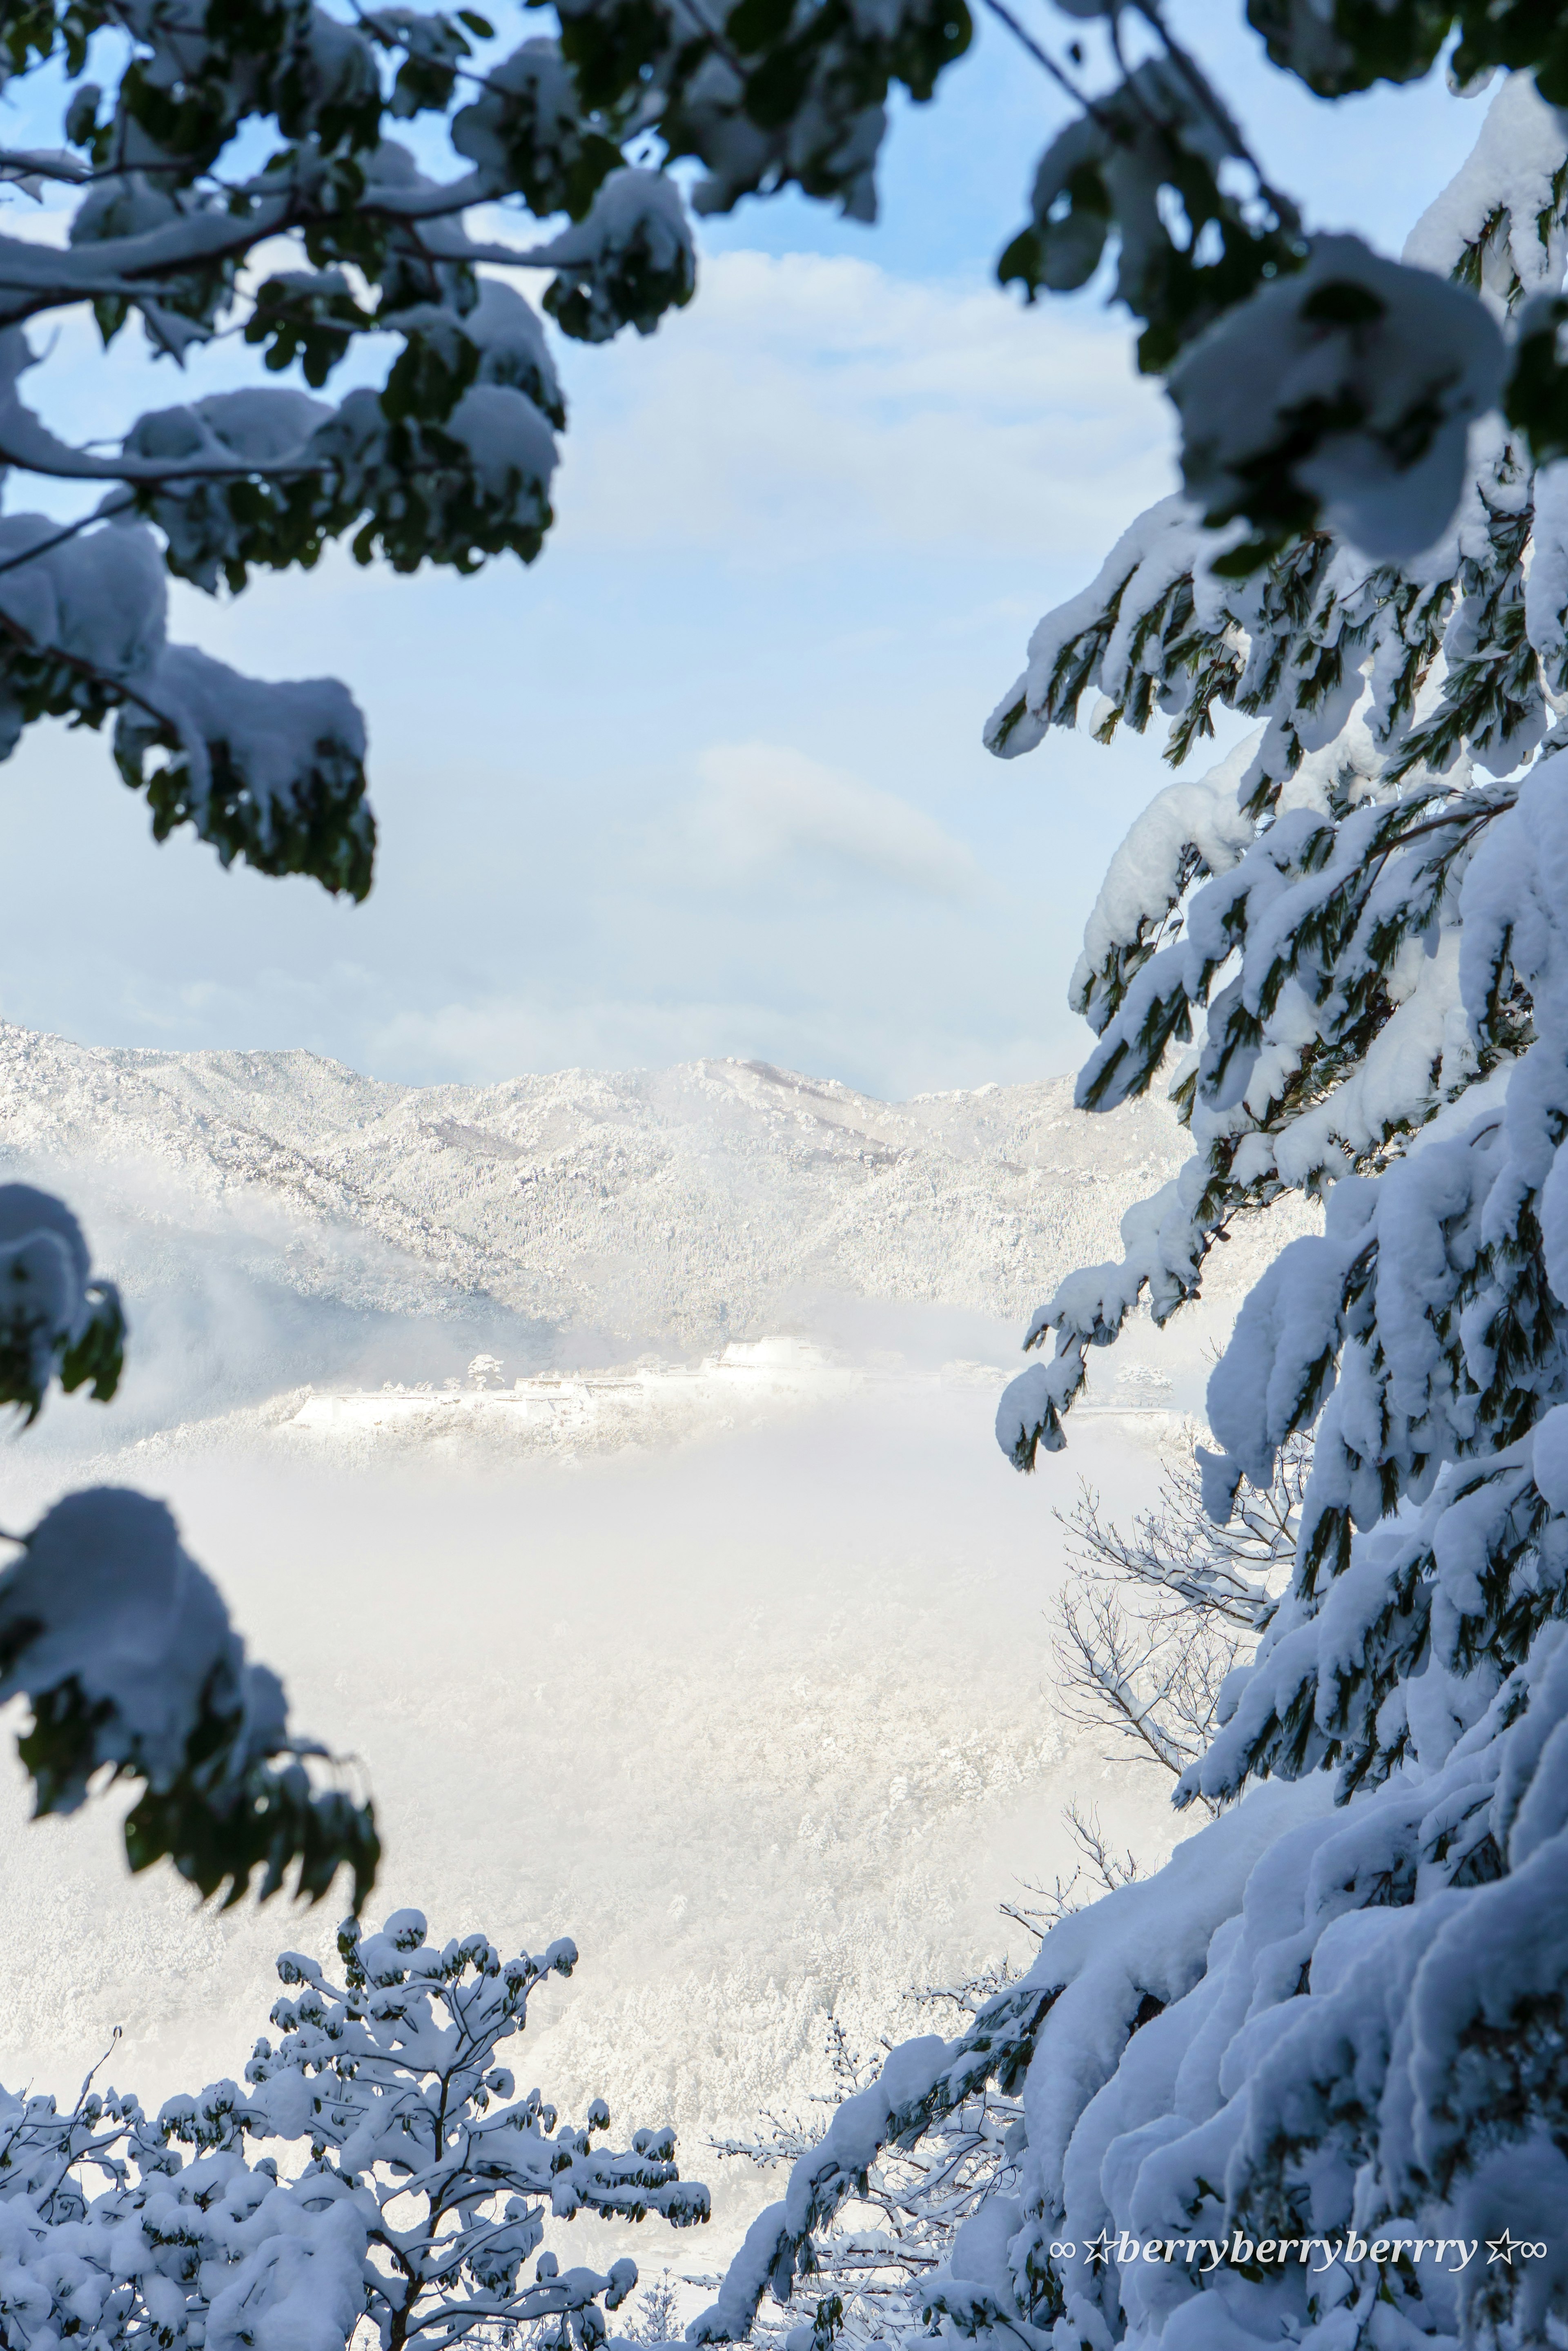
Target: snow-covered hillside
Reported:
point(766, 1723)
point(277, 1219)
point(692, 1201)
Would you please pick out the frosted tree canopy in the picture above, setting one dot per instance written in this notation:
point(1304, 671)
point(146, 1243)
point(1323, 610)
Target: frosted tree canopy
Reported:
point(411, 2184)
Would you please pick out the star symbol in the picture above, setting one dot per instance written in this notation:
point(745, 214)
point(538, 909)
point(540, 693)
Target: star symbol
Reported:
point(1502, 2249)
point(1099, 2248)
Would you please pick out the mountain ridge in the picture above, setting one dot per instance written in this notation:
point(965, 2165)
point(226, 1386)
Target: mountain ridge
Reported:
point(572, 1216)
point(683, 1200)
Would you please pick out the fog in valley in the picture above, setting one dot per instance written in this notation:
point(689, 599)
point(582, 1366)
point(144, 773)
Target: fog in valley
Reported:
point(744, 1682)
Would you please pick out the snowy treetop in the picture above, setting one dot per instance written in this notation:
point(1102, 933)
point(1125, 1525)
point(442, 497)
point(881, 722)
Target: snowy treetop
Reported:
point(411, 2185)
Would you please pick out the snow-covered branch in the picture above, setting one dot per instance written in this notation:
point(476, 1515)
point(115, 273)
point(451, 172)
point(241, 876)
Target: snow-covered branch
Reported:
point(122, 1646)
point(328, 232)
point(872, 2270)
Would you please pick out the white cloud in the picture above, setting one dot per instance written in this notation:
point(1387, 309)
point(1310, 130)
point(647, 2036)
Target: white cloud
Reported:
point(766, 808)
point(878, 1047)
point(486, 1037)
point(705, 780)
point(805, 405)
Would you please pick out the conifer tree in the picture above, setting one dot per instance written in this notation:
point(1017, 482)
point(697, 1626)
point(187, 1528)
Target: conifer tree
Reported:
point(1306, 2082)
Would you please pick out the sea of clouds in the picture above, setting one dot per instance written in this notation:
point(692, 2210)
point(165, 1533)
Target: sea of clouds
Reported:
point(764, 1718)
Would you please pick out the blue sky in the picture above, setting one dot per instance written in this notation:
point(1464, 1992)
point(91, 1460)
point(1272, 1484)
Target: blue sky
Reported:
point(706, 778)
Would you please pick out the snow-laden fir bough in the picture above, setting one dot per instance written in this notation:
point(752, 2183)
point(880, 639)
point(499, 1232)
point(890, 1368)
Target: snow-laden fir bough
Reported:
point(1341, 2010)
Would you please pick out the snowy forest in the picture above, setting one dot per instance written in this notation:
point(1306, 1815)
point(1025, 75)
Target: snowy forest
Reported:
point(1305, 2080)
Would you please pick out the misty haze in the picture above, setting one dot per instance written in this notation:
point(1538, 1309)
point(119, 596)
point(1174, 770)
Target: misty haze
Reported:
point(742, 1671)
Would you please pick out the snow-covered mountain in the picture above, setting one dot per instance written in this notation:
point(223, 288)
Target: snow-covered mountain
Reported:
point(766, 1723)
point(690, 1204)
point(692, 1201)
point(275, 1219)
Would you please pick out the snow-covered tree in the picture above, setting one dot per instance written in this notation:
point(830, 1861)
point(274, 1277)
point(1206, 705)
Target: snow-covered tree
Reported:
point(1306, 2082)
point(411, 2185)
point(657, 2318)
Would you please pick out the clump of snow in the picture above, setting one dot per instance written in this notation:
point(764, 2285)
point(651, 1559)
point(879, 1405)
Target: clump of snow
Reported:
point(1356, 379)
point(106, 1600)
point(1502, 200)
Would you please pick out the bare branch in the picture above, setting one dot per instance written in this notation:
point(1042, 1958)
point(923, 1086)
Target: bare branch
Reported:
point(1100, 1871)
point(1234, 1571)
point(901, 2225)
point(1148, 1633)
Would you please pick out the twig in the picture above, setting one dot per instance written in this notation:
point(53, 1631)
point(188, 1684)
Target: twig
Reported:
point(45, 545)
point(1285, 212)
point(1047, 63)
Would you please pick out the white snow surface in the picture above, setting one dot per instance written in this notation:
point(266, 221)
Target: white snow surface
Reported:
point(765, 1723)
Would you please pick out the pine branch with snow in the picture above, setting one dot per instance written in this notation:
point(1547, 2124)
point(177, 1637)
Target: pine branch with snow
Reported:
point(238, 176)
point(57, 1321)
point(897, 2225)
